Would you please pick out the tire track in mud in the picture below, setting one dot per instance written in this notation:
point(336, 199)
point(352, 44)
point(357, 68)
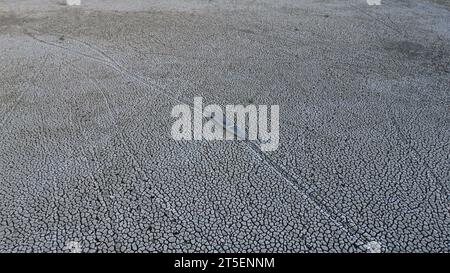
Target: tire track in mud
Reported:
point(100, 195)
point(359, 240)
point(407, 142)
point(153, 191)
point(122, 139)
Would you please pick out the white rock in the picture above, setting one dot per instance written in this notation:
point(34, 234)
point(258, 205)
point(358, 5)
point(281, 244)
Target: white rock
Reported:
point(73, 2)
point(73, 246)
point(373, 247)
point(374, 2)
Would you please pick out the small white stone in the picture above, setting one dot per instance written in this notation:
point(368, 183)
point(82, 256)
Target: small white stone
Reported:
point(373, 247)
point(73, 247)
point(374, 2)
point(73, 2)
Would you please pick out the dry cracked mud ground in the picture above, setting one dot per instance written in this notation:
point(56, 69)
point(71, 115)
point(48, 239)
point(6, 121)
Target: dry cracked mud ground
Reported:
point(87, 160)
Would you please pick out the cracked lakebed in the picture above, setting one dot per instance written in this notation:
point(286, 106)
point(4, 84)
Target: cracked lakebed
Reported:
point(86, 156)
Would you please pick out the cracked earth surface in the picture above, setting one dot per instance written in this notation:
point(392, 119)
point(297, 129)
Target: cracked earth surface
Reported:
point(86, 154)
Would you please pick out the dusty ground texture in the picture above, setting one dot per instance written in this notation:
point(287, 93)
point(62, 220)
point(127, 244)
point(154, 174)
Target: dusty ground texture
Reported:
point(86, 157)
